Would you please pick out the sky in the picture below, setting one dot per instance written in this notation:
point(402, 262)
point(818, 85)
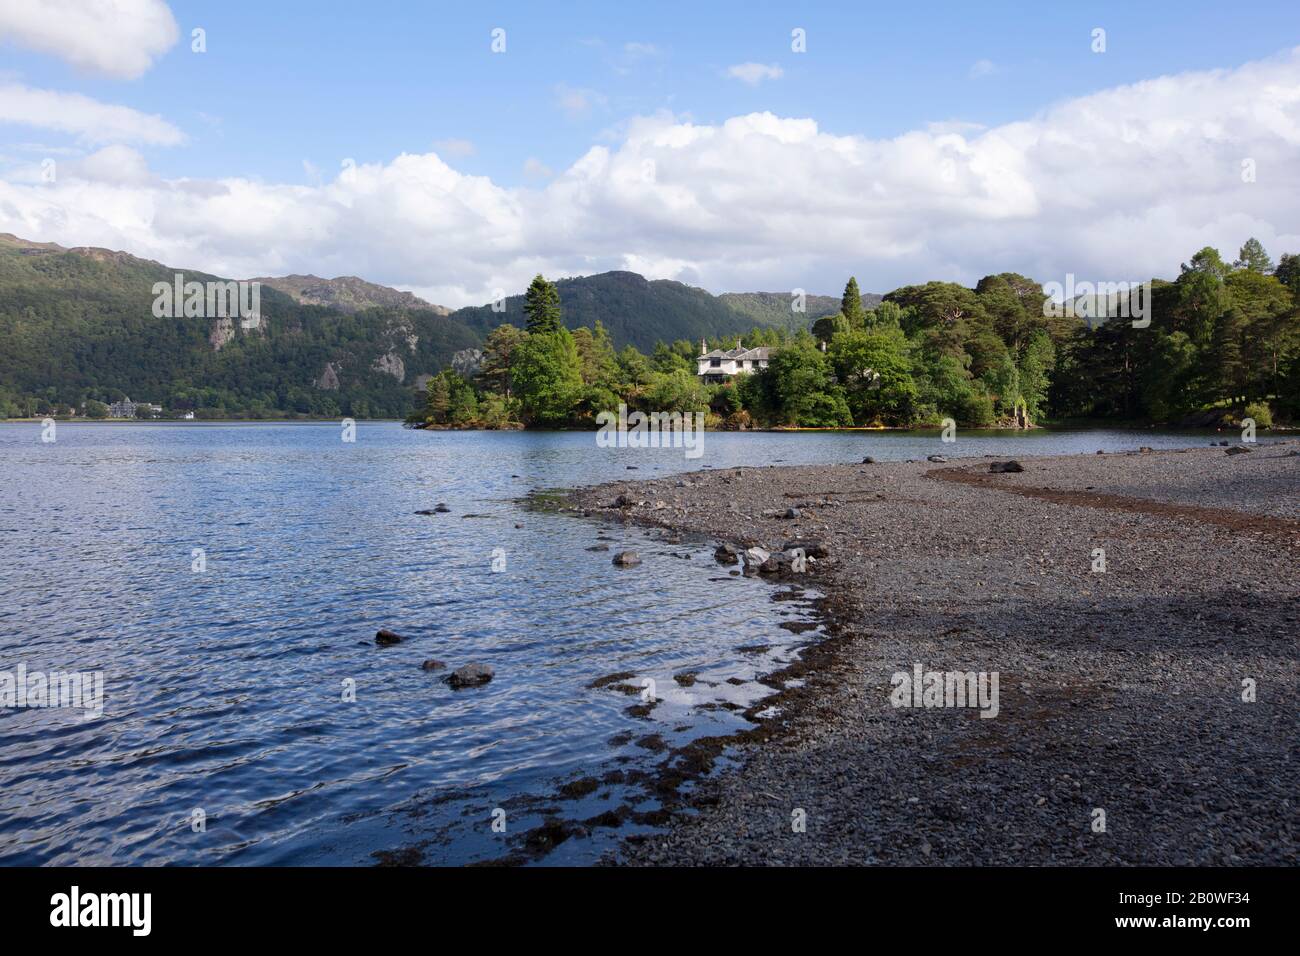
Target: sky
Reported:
point(454, 150)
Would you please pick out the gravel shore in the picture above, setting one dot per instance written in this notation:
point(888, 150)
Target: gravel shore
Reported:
point(1120, 692)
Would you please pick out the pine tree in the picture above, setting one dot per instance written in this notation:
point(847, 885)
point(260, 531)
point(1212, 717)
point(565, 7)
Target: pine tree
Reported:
point(851, 305)
point(542, 306)
point(1253, 257)
point(439, 399)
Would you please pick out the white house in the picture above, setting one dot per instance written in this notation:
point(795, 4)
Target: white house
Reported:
point(719, 365)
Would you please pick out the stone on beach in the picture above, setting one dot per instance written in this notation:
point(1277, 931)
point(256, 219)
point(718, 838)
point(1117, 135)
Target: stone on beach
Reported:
point(1003, 467)
point(727, 554)
point(1238, 450)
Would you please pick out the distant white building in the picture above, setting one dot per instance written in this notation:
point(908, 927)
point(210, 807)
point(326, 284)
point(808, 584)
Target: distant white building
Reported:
point(720, 365)
point(127, 408)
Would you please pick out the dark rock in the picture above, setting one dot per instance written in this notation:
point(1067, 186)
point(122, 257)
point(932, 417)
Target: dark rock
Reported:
point(599, 547)
point(938, 458)
point(1146, 448)
point(387, 638)
point(791, 513)
point(627, 559)
point(432, 665)
point(1239, 450)
point(471, 675)
point(1001, 467)
point(812, 547)
point(868, 460)
point(622, 501)
point(727, 554)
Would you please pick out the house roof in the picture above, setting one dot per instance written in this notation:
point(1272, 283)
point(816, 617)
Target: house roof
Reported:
point(762, 353)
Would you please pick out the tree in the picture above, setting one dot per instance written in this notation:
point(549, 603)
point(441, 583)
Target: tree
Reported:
point(596, 353)
point(498, 354)
point(1288, 272)
point(438, 399)
point(875, 368)
point(851, 304)
point(542, 306)
point(799, 388)
point(1253, 257)
point(828, 326)
point(547, 375)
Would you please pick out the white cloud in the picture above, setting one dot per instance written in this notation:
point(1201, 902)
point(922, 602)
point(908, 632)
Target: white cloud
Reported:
point(982, 68)
point(119, 37)
point(89, 120)
point(755, 73)
point(1121, 184)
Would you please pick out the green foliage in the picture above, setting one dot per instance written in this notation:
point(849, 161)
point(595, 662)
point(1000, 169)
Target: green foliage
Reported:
point(1253, 258)
point(548, 377)
point(542, 306)
point(1261, 413)
point(75, 327)
point(875, 368)
point(851, 304)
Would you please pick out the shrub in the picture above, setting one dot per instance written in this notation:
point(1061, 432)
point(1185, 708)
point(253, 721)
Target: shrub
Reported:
point(1262, 414)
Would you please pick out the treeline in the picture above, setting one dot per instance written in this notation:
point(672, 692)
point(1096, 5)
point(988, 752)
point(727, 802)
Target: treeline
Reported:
point(1220, 337)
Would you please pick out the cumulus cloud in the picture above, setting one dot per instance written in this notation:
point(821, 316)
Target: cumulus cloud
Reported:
point(1120, 184)
point(755, 73)
point(89, 120)
point(121, 38)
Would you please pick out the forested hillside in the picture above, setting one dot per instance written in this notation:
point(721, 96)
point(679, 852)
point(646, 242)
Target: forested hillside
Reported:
point(77, 326)
point(637, 311)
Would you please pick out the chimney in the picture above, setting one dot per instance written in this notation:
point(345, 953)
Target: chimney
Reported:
point(703, 349)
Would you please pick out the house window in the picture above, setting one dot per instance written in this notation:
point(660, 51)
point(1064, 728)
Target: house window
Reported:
point(715, 363)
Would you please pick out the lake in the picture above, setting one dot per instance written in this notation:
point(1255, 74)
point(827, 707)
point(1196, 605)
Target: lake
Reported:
point(228, 581)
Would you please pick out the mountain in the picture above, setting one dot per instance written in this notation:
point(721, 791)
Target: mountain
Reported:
point(638, 311)
point(775, 308)
point(347, 293)
point(78, 324)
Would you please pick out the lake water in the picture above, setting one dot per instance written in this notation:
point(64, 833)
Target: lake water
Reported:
point(226, 689)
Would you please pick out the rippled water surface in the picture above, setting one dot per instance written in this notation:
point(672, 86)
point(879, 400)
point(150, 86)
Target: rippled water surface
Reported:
point(224, 689)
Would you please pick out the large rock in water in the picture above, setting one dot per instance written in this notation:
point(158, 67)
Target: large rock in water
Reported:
point(471, 675)
point(386, 638)
point(1001, 467)
point(627, 559)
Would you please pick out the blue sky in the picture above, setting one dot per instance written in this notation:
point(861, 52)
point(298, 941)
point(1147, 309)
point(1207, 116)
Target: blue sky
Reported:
point(320, 81)
point(230, 159)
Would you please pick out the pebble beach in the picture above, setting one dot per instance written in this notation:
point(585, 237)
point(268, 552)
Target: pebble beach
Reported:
point(1141, 612)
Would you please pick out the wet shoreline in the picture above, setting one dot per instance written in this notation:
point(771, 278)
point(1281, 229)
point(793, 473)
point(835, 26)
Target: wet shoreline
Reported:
point(1193, 533)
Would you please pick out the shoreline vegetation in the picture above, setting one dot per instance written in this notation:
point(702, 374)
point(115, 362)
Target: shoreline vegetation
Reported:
point(1219, 346)
point(1122, 691)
